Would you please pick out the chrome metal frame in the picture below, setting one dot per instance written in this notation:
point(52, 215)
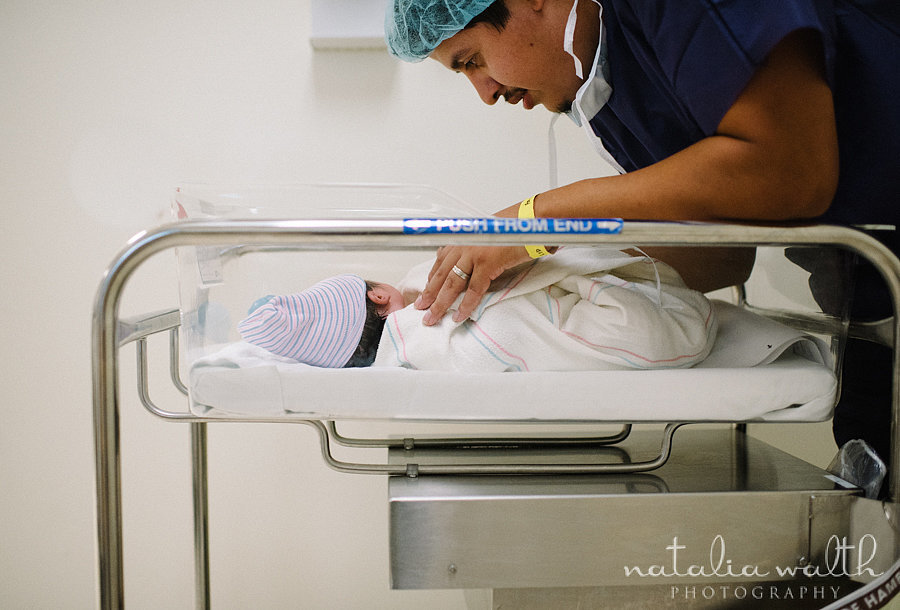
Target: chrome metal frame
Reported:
point(328, 433)
point(109, 333)
point(464, 442)
point(139, 329)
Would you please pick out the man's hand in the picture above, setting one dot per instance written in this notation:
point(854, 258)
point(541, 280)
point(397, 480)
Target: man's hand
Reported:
point(482, 263)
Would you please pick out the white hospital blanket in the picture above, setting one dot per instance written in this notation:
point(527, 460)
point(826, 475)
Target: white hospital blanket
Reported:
point(758, 370)
point(581, 309)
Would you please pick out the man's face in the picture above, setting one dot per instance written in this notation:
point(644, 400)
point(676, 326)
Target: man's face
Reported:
point(523, 62)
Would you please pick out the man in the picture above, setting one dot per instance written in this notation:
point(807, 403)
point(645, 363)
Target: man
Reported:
point(744, 110)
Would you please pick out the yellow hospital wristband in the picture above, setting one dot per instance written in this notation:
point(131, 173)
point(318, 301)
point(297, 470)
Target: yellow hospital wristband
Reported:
point(526, 212)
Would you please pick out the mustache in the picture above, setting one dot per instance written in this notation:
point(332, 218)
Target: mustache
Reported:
point(514, 96)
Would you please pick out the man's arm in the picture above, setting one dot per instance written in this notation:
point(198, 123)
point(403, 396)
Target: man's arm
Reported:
point(773, 157)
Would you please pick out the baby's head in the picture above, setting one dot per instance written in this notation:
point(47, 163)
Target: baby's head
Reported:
point(336, 323)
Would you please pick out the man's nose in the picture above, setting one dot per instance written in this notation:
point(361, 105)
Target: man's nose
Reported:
point(488, 89)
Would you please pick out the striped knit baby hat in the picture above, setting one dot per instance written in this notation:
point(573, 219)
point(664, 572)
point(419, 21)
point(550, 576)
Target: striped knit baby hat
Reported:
point(320, 326)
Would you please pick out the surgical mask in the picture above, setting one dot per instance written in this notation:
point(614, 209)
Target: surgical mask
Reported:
point(591, 96)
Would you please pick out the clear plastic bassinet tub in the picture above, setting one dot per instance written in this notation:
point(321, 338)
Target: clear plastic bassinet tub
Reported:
point(337, 229)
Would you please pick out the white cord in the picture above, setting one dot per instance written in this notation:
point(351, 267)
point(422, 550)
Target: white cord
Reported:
point(656, 272)
point(551, 150)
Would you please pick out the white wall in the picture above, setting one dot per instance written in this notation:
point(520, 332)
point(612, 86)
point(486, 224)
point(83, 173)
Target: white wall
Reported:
point(104, 106)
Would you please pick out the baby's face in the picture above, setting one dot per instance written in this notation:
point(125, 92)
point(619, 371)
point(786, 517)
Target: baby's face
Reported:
point(387, 298)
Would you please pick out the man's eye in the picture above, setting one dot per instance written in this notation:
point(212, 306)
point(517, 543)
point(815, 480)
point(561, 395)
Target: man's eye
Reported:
point(469, 64)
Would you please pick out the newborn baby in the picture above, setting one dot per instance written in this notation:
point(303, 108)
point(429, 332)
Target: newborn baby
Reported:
point(580, 309)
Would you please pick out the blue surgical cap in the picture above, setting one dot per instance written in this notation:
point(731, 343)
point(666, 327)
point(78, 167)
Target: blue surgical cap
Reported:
point(414, 28)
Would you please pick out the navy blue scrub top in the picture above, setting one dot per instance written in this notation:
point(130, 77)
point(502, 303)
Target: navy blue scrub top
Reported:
point(677, 67)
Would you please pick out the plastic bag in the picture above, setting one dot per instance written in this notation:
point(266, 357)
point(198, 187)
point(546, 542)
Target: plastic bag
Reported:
point(856, 462)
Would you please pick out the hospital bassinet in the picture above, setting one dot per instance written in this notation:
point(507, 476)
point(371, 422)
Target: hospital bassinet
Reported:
point(454, 530)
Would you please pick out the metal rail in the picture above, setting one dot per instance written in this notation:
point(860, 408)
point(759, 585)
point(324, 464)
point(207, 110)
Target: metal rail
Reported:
point(469, 442)
point(386, 235)
point(328, 432)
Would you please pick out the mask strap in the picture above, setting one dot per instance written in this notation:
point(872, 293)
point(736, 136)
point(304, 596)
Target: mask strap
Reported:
point(569, 41)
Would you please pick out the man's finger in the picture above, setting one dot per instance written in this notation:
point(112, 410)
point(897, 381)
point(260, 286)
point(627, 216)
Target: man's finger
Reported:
point(452, 287)
point(478, 287)
point(438, 261)
point(435, 284)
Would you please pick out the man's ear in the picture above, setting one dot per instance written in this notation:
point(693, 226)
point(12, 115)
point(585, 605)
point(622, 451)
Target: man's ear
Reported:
point(535, 5)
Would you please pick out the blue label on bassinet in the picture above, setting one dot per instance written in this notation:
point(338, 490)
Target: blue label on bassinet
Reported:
point(542, 226)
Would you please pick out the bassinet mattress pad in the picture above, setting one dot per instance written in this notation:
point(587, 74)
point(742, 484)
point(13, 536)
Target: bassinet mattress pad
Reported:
point(758, 370)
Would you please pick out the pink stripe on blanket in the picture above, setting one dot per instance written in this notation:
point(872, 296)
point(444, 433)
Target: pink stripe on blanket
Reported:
point(651, 361)
point(470, 324)
point(508, 288)
point(401, 348)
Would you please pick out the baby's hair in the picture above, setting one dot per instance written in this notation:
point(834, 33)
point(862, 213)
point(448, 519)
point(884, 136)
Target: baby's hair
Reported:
point(371, 334)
